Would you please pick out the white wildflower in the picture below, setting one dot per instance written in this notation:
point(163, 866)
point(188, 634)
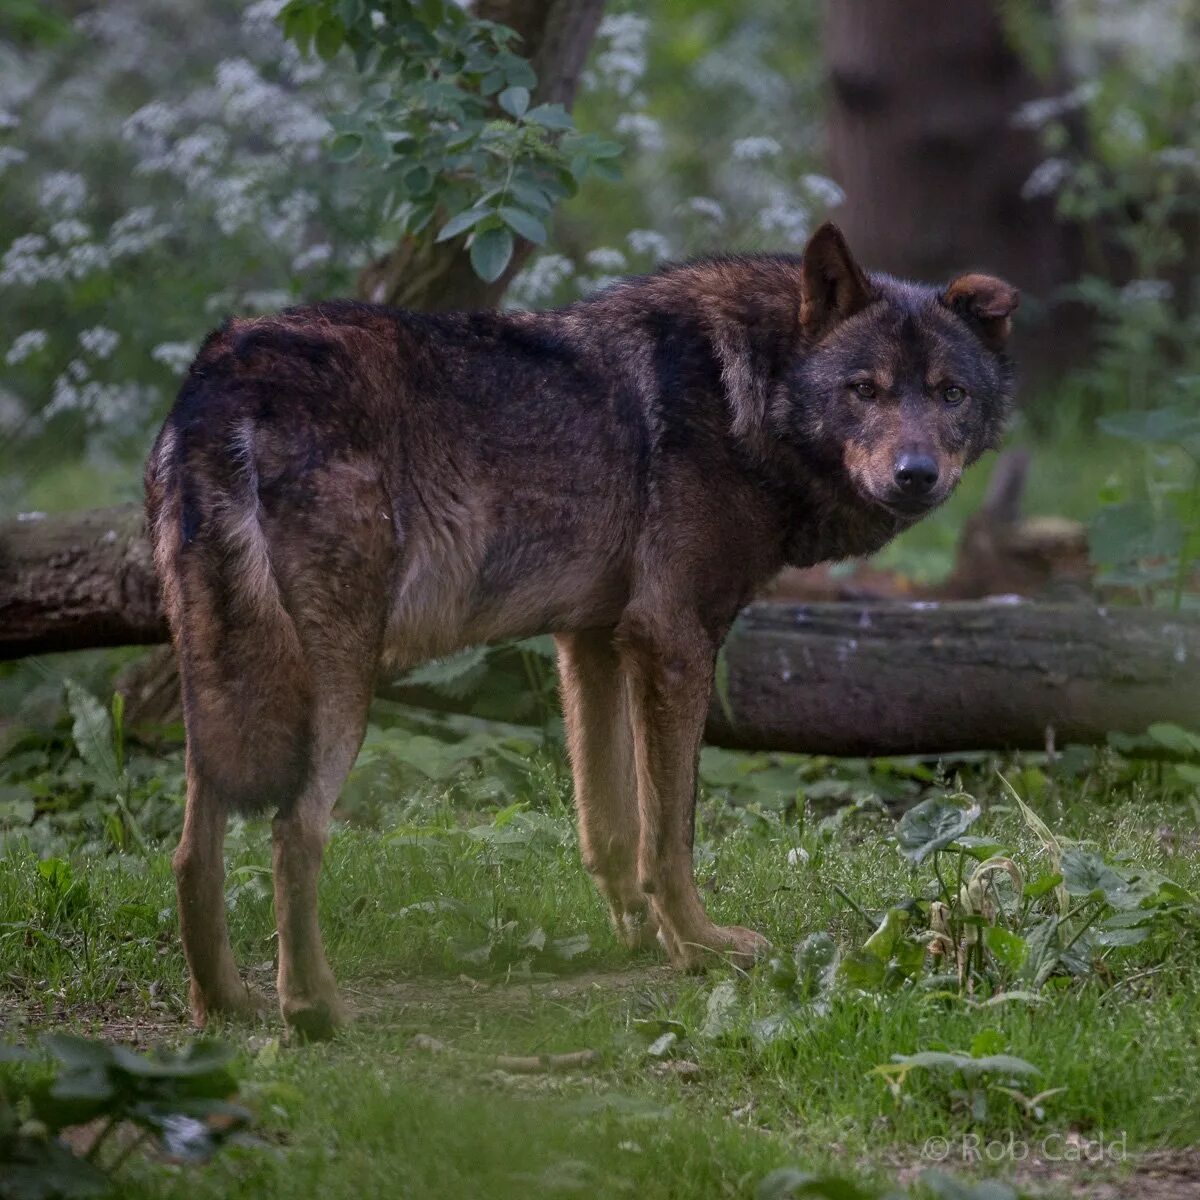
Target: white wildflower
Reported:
point(267, 300)
point(22, 262)
point(755, 149)
point(538, 282)
point(1033, 114)
point(84, 258)
point(99, 342)
point(311, 257)
point(606, 258)
point(175, 356)
point(63, 192)
point(11, 156)
point(823, 190)
point(784, 216)
point(1179, 156)
point(620, 58)
point(646, 132)
point(706, 207)
point(1147, 291)
point(26, 344)
point(648, 241)
point(8, 120)
point(1046, 179)
point(69, 230)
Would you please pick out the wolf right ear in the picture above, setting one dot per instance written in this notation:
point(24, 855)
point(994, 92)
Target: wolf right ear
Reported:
point(832, 285)
point(986, 304)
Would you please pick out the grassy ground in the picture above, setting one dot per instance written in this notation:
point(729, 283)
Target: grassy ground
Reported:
point(479, 929)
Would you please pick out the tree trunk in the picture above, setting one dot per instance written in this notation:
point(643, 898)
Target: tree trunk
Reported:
point(418, 273)
point(856, 679)
point(922, 140)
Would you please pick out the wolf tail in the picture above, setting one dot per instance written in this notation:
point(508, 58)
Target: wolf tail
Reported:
point(246, 683)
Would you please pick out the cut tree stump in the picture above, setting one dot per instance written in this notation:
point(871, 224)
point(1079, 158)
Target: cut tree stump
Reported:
point(864, 678)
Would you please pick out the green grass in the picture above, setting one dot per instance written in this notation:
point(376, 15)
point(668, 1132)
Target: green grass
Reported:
point(92, 946)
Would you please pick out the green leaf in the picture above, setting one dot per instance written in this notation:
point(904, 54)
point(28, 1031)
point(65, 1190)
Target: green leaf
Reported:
point(491, 250)
point(1166, 425)
point(550, 116)
point(882, 943)
point(1009, 949)
point(49, 1171)
point(945, 1187)
point(932, 825)
point(785, 1183)
point(523, 223)
point(92, 731)
point(346, 147)
point(1175, 739)
point(1041, 886)
point(462, 222)
point(514, 100)
point(1086, 873)
point(330, 37)
point(456, 677)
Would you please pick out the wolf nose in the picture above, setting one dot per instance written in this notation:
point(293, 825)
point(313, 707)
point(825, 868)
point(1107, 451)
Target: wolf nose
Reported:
point(916, 474)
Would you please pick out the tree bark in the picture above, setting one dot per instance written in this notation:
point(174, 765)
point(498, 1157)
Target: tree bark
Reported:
point(855, 679)
point(418, 273)
point(77, 581)
point(921, 138)
point(903, 678)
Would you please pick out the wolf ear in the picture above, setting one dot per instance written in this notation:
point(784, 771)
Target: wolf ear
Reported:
point(832, 285)
point(986, 304)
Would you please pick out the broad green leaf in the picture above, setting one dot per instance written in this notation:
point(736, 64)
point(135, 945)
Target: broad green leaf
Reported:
point(551, 116)
point(514, 101)
point(92, 731)
point(523, 223)
point(491, 250)
point(1175, 739)
point(933, 824)
point(346, 147)
point(788, 1182)
point(1009, 949)
point(462, 222)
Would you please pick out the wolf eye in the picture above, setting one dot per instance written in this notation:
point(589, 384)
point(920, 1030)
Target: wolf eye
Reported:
point(953, 394)
point(864, 389)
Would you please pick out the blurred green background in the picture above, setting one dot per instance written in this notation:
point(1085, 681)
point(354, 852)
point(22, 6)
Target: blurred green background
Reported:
point(166, 163)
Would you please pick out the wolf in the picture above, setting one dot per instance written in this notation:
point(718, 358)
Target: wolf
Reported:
point(344, 490)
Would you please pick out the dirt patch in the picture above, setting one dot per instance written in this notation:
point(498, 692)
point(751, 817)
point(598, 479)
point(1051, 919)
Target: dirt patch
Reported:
point(1152, 1175)
point(388, 997)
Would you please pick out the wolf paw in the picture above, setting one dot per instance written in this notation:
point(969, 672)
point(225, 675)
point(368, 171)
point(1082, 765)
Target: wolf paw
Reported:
point(729, 943)
point(238, 1002)
point(314, 1020)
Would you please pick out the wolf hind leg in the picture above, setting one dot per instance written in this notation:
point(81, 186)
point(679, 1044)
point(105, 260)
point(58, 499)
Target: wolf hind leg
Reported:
point(216, 988)
point(600, 743)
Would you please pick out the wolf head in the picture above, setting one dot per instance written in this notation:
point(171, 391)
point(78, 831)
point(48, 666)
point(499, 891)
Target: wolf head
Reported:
point(898, 385)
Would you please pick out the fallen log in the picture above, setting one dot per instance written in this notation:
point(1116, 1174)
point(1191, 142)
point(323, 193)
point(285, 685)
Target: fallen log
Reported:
point(861, 679)
point(77, 581)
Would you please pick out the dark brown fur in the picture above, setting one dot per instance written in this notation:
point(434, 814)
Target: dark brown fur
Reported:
point(345, 488)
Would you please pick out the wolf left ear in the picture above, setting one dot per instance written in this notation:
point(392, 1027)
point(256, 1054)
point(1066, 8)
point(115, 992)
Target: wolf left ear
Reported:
point(832, 285)
point(986, 304)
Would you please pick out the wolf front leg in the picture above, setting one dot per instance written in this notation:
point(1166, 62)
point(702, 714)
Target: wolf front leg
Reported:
point(600, 743)
point(669, 668)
